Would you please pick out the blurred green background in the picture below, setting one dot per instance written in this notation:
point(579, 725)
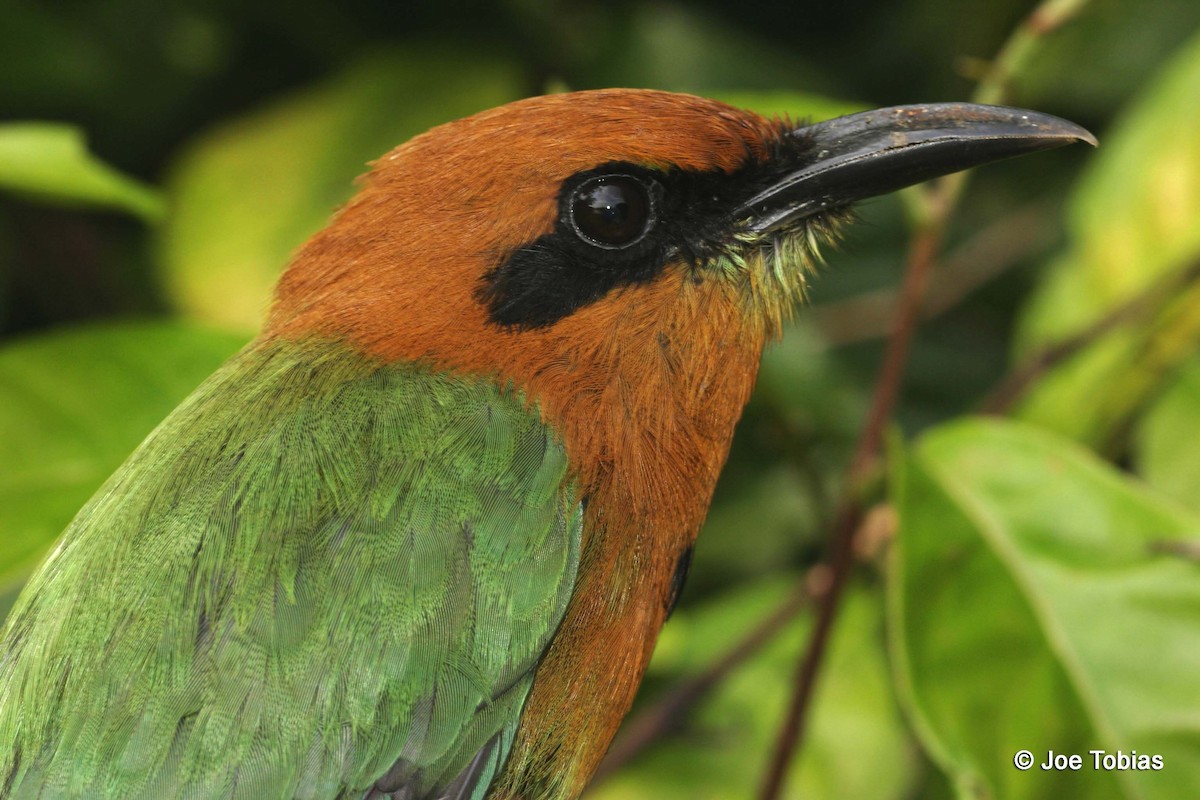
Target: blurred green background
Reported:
point(160, 160)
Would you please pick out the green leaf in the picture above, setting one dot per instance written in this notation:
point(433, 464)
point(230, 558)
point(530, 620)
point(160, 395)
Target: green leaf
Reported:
point(73, 405)
point(1030, 609)
point(50, 162)
point(246, 195)
point(1165, 440)
point(1133, 220)
point(856, 745)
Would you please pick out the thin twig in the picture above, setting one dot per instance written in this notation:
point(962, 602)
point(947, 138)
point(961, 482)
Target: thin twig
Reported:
point(1187, 549)
point(996, 85)
point(1000, 246)
point(1013, 386)
point(941, 199)
point(850, 513)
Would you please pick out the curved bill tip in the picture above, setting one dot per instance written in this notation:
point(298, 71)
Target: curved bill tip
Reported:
point(912, 125)
point(876, 152)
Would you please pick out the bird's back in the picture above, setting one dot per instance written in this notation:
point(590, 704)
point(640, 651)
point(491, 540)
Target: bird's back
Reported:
point(320, 576)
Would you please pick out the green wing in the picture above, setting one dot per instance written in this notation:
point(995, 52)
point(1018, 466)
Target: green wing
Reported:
point(318, 578)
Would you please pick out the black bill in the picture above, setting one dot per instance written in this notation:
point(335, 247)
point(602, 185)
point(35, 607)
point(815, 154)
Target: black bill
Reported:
point(876, 152)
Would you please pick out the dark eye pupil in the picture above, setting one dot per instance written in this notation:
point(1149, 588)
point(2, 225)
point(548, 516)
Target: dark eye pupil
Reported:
point(613, 210)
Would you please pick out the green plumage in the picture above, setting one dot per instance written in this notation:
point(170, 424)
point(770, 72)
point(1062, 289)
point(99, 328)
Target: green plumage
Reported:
point(317, 571)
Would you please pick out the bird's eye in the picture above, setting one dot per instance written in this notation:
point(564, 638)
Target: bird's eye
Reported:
point(612, 211)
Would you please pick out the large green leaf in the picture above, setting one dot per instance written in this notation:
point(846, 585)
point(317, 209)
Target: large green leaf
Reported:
point(1165, 439)
point(856, 745)
point(250, 192)
point(73, 405)
point(1134, 219)
point(50, 162)
point(1031, 609)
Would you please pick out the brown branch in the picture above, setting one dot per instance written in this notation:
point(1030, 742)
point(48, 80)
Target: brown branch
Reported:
point(941, 199)
point(1188, 549)
point(1013, 386)
point(921, 256)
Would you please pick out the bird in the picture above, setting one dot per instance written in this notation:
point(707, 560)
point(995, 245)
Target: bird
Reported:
point(417, 539)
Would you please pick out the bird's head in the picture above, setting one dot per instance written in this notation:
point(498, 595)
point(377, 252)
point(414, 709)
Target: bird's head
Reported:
point(642, 237)
point(518, 219)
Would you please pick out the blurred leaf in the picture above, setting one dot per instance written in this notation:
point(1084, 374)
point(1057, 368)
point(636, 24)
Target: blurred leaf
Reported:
point(1133, 220)
point(802, 379)
point(1030, 610)
point(724, 752)
point(249, 193)
point(797, 106)
point(73, 405)
point(786, 514)
point(50, 162)
point(1165, 440)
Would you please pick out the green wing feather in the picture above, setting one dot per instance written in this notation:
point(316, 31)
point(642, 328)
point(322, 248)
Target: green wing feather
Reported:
point(318, 576)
